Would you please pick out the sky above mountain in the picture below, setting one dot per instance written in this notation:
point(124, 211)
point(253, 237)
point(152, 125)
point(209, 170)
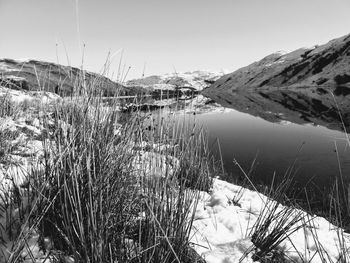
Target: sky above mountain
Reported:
point(161, 36)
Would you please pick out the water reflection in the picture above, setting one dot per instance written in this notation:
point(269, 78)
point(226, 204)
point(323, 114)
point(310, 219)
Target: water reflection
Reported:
point(277, 130)
point(320, 106)
point(276, 147)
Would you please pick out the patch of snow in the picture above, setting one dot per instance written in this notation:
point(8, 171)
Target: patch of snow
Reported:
point(22, 60)
point(280, 61)
point(152, 164)
point(24, 157)
point(284, 122)
point(5, 67)
point(15, 95)
point(163, 86)
point(281, 52)
point(16, 78)
point(310, 48)
point(221, 228)
point(19, 96)
point(45, 96)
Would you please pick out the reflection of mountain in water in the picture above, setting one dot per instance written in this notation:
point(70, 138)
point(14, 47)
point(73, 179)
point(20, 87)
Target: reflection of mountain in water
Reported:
point(299, 105)
point(295, 86)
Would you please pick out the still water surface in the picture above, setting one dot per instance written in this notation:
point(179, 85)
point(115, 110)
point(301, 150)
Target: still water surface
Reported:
point(275, 147)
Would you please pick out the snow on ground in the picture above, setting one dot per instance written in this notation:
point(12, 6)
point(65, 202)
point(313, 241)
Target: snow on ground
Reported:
point(282, 52)
point(15, 95)
point(25, 149)
point(19, 96)
point(15, 78)
point(147, 164)
point(224, 220)
point(13, 175)
point(20, 152)
point(5, 67)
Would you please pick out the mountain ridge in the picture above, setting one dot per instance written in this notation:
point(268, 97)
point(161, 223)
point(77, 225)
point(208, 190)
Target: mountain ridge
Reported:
point(324, 65)
point(32, 75)
point(196, 80)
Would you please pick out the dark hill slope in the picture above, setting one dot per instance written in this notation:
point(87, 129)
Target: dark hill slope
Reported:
point(40, 75)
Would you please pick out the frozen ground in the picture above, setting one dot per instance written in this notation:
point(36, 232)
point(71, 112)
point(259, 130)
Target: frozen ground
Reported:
point(18, 96)
point(226, 218)
point(20, 152)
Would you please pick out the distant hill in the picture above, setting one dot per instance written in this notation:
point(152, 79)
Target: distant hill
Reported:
point(325, 65)
point(196, 80)
point(36, 75)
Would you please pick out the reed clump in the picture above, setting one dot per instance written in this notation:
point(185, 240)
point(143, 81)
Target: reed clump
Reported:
point(106, 193)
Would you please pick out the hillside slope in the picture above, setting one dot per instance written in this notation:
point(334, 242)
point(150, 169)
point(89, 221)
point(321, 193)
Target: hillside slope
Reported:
point(39, 75)
point(325, 65)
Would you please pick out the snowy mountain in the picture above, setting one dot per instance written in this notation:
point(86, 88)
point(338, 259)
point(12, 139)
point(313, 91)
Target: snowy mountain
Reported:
point(39, 75)
point(325, 65)
point(196, 80)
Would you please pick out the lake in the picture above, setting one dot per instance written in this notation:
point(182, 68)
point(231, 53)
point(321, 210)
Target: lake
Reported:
point(276, 146)
point(317, 154)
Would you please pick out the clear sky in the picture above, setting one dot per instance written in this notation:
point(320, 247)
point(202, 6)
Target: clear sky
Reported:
point(166, 35)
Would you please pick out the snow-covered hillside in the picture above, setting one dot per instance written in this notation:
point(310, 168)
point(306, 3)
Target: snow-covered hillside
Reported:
point(197, 80)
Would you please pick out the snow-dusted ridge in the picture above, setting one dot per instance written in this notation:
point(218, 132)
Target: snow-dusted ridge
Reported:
point(197, 80)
